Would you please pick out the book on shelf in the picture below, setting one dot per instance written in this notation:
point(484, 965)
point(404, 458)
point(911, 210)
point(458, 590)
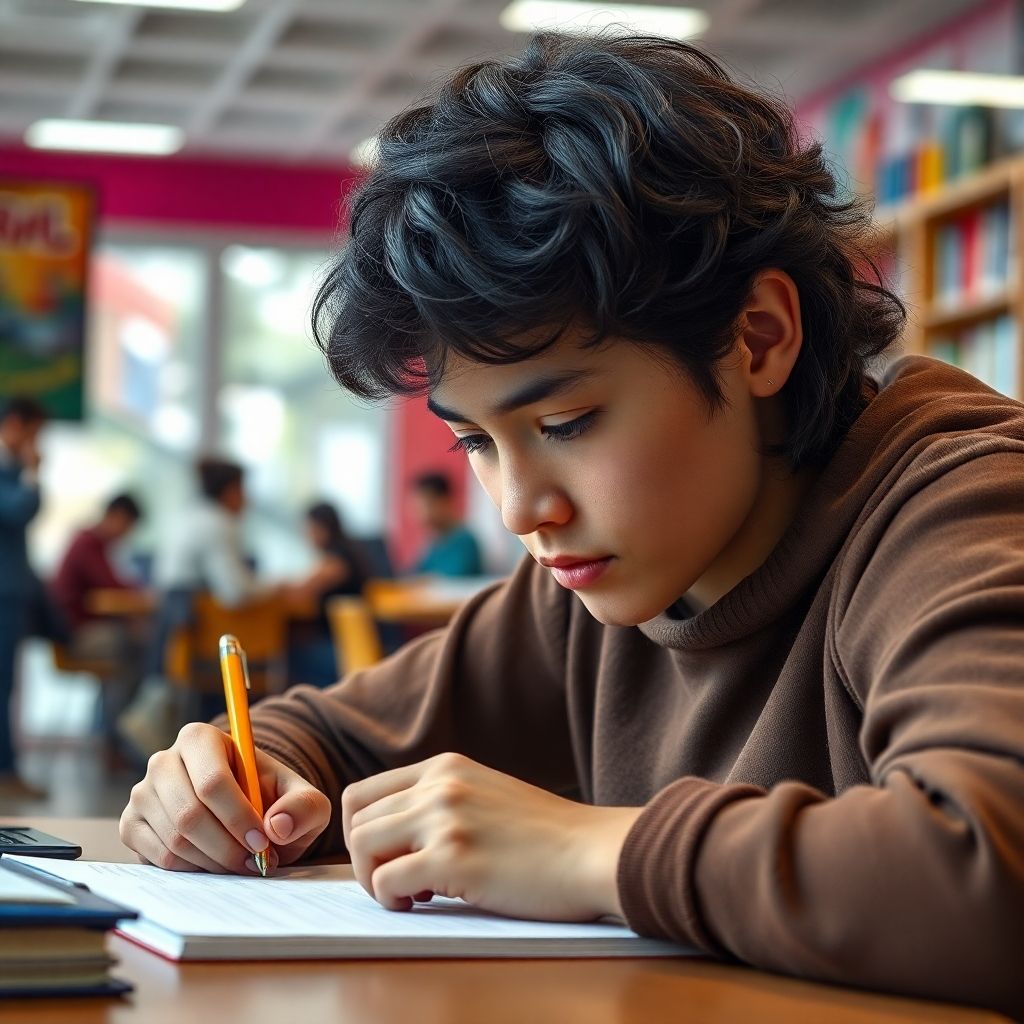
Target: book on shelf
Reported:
point(973, 255)
point(987, 350)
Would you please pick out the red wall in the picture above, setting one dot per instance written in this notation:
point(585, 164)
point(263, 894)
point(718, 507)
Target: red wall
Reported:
point(421, 443)
point(192, 192)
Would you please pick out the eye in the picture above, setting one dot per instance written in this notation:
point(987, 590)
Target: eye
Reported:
point(470, 443)
point(567, 431)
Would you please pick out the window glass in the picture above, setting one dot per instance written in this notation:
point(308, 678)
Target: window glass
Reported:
point(299, 435)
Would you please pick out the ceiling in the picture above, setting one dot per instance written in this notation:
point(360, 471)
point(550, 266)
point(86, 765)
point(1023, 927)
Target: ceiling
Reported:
point(306, 80)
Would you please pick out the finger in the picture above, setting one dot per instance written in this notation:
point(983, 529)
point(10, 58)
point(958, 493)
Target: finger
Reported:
point(393, 803)
point(368, 791)
point(297, 817)
point(206, 753)
point(381, 840)
point(150, 850)
point(190, 817)
point(172, 838)
point(397, 882)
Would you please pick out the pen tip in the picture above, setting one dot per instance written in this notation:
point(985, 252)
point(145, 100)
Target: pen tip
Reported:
point(263, 863)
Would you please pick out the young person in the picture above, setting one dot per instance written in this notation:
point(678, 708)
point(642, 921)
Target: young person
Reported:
point(341, 569)
point(22, 418)
point(452, 549)
point(86, 566)
point(758, 686)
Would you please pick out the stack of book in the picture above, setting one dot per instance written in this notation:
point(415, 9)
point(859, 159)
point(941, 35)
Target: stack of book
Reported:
point(53, 936)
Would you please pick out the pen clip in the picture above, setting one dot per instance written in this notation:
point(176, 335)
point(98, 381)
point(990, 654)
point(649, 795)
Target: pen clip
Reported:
point(245, 667)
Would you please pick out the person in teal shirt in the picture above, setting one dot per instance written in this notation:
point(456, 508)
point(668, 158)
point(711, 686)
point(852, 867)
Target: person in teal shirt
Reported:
point(454, 550)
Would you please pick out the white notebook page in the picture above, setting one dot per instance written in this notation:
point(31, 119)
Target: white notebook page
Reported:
point(306, 901)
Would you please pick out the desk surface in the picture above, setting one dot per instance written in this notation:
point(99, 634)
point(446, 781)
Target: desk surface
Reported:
point(613, 991)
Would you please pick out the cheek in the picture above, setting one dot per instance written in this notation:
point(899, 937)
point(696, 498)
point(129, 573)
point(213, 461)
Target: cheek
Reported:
point(693, 485)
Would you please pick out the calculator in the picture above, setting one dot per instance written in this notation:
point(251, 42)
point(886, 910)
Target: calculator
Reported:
point(30, 842)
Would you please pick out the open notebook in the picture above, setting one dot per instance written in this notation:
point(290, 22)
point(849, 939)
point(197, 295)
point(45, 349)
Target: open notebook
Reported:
point(323, 913)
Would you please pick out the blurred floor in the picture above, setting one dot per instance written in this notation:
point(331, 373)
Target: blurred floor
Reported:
point(58, 748)
point(77, 780)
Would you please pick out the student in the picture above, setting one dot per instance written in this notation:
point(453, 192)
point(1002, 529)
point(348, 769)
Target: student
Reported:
point(452, 550)
point(21, 419)
point(204, 553)
point(758, 687)
point(84, 568)
point(340, 570)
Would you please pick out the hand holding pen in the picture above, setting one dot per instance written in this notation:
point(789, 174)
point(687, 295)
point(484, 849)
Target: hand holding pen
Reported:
point(192, 809)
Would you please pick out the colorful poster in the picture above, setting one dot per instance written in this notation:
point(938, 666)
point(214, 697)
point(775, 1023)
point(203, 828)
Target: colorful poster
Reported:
point(44, 254)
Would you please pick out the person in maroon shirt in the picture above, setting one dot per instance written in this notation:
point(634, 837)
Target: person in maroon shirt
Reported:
point(86, 567)
point(86, 563)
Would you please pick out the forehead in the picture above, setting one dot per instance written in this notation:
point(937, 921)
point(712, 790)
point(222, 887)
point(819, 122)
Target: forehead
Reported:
point(461, 375)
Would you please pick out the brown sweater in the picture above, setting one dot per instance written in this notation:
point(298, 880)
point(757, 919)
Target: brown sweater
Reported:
point(830, 757)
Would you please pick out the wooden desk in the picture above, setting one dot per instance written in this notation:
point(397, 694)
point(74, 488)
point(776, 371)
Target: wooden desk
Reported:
point(125, 602)
point(614, 991)
point(428, 601)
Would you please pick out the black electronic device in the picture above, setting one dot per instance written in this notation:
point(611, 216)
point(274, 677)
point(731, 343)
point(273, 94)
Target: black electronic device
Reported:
point(30, 842)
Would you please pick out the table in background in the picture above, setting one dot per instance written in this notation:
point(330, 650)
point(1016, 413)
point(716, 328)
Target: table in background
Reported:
point(613, 991)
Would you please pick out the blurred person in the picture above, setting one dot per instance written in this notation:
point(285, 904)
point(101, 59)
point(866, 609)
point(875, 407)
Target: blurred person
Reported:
point(341, 569)
point(21, 421)
point(86, 567)
point(204, 553)
point(452, 549)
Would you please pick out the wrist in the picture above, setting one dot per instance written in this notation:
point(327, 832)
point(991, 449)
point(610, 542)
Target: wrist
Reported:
point(602, 842)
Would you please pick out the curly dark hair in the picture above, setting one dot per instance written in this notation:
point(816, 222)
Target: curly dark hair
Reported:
point(628, 184)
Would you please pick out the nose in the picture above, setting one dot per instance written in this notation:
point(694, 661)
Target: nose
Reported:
point(530, 499)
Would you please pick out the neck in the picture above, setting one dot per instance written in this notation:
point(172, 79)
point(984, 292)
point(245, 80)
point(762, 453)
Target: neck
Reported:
point(780, 495)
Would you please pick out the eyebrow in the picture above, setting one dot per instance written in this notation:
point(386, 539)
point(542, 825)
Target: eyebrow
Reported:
point(532, 391)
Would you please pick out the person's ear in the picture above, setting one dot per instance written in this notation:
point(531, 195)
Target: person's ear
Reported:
point(771, 331)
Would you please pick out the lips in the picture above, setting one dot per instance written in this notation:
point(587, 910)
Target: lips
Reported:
point(575, 572)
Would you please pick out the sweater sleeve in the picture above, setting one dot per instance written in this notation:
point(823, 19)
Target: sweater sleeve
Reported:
point(491, 686)
point(914, 883)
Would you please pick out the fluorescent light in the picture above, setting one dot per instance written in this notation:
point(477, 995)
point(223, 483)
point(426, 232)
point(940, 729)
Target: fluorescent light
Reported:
point(959, 88)
point(577, 16)
point(185, 5)
point(365, 153)
point(105, 136)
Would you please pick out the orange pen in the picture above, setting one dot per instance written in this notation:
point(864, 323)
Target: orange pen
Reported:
point(235, 671)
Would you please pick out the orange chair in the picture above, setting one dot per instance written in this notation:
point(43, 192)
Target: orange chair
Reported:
point(356, 641)
point(192, 658)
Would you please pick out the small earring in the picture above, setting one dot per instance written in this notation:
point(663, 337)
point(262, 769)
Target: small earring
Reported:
point(770, 381)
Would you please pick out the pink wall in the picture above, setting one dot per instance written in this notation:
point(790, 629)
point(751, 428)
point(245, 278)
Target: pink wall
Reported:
point(421, 443)
point(958, 36)
point(193, 192)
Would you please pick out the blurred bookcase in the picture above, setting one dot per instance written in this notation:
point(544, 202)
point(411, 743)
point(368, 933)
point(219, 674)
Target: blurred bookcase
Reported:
point(953, 253)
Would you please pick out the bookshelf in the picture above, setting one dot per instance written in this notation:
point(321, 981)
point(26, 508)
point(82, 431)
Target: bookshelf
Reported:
point(956, 253)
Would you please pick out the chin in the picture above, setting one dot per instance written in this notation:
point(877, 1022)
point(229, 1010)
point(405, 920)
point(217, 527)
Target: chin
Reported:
point(622, 612)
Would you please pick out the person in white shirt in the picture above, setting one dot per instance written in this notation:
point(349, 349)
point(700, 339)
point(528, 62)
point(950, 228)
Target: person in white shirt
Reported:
point(204, 554)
